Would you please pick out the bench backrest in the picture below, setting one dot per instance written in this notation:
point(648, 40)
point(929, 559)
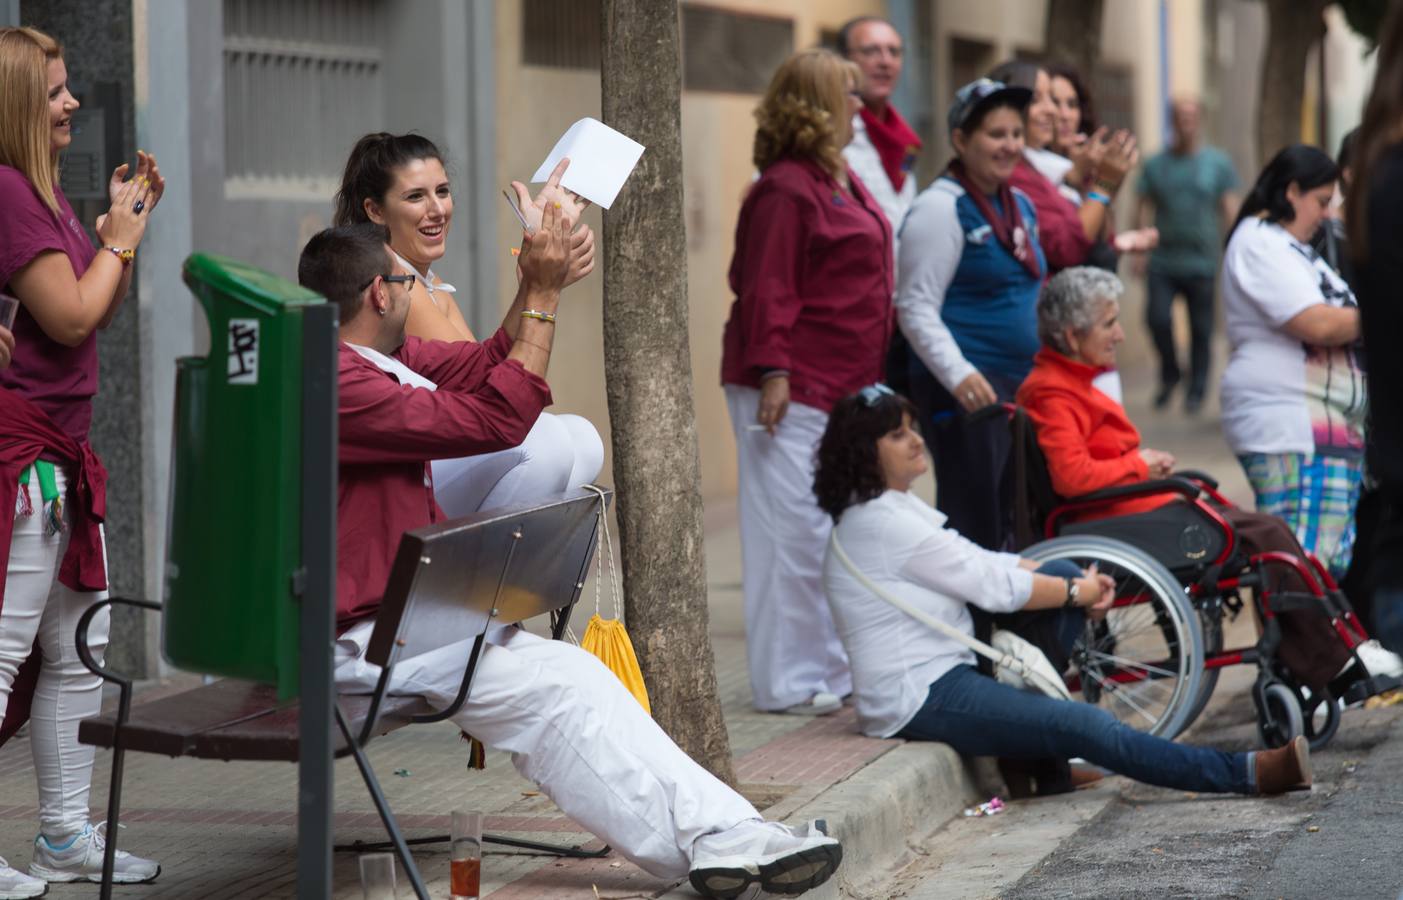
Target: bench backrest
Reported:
point(451, 580)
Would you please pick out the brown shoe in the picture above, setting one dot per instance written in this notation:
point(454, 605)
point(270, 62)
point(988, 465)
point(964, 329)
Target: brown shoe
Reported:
point(1285, 768)
point(1085, 776)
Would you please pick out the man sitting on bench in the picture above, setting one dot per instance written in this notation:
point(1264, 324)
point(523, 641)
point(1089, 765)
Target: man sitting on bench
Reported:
point(568, 722)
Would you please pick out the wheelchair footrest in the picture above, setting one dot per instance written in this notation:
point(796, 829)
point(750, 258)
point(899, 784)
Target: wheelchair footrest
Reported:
point(1365, 688)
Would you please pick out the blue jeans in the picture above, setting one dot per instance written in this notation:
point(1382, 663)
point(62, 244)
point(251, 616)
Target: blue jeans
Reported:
point(980, 717)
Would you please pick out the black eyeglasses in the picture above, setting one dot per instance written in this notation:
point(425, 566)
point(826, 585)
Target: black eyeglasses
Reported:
point(406, 280)
point(873, 394)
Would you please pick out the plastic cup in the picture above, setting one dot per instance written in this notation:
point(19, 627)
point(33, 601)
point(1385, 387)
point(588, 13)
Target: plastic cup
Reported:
point(377, 876)
point(465, 860)
point(9, 308)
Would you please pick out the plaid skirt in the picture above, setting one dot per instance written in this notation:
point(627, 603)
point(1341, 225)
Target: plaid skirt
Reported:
point(1316, 495)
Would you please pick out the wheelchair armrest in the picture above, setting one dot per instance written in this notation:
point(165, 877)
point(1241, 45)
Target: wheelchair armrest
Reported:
point(1196, 475)
point(992, 411)
point(81, 638)
point(1174, 484)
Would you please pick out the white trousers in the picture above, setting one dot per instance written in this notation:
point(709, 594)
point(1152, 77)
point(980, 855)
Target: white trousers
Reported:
point(37, 605)
point(560, 453)
point(790, 642)
point(573, 729)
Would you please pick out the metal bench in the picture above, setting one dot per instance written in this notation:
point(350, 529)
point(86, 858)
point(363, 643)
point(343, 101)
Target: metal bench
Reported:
point(449, 582)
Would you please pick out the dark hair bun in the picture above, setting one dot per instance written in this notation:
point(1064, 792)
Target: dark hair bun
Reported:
point(370, 171)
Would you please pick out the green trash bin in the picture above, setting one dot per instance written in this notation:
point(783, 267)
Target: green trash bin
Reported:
point(234, 573)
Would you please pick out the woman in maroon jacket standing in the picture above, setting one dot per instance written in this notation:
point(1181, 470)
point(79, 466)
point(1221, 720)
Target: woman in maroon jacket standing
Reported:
point(52, 565)
point(812, 275)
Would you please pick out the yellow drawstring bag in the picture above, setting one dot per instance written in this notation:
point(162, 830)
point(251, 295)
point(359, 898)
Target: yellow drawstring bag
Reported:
point(607, 638)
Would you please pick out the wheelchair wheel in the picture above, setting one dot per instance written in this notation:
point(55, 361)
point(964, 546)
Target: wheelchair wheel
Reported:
point(1210, 620)
point(1143, 664)
point(1279, 717)
point(1320, 716)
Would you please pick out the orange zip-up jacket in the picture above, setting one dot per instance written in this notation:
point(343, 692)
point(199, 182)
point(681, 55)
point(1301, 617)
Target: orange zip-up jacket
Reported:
point(1089, 441)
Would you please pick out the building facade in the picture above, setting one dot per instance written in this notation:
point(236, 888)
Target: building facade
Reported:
point(252, 106)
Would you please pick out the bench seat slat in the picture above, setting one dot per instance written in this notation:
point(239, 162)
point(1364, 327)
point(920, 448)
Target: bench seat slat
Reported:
point(233, 720)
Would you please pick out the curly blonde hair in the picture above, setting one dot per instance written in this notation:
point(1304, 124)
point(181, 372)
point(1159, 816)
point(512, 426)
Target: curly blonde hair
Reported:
point(805, 110)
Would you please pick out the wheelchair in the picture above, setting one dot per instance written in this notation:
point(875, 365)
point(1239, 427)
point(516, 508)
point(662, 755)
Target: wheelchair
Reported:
point(1154, 660)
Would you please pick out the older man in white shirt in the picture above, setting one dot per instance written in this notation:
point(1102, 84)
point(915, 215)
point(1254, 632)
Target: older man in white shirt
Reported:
point(883, 149)
point(882, 153)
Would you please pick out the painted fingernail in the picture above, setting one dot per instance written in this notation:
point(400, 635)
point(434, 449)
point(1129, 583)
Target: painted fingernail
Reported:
point(557, 205)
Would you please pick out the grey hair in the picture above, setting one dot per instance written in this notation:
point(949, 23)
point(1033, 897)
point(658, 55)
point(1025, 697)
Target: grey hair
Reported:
point(1072, 299)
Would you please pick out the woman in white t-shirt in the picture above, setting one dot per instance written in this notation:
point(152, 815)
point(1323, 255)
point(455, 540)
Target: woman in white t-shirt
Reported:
point(912, 682)
point(1293, 393)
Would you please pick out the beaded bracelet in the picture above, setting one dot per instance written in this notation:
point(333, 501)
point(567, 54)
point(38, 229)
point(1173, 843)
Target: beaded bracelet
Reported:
point(539, 315)
point(124, 254)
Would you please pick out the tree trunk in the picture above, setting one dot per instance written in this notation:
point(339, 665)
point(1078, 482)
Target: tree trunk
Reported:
point(1072, 34)
point(1293, 27)
point(648, 370)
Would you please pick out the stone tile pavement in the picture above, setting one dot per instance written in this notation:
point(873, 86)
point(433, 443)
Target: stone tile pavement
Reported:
point(228, 830)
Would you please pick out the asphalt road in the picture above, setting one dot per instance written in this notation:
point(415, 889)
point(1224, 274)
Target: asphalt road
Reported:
point(1120, 839)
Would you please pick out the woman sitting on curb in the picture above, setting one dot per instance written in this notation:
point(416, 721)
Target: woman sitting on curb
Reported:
point(912, 682)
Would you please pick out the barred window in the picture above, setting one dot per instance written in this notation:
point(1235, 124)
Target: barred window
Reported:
point(301, 81)
point(721, 50)
point(732, 52)
point(561, 34)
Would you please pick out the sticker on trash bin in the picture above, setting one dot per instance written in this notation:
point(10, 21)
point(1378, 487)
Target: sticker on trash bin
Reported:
point(243, 351)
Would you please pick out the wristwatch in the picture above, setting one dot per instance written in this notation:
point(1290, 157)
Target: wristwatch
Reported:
point(1073, 590)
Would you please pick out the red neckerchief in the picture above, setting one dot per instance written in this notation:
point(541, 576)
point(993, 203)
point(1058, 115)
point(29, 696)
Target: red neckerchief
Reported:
point(1008, 228)
point(895, 142)
point(28, 432)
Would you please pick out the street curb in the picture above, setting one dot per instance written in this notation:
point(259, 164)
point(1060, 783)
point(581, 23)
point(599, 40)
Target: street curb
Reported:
point(901, 797)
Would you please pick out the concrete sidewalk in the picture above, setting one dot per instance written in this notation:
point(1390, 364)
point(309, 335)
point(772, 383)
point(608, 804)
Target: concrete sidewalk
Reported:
point(228, 830)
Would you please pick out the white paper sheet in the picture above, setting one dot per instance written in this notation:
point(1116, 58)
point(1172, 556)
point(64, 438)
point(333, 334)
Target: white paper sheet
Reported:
point(601, 159)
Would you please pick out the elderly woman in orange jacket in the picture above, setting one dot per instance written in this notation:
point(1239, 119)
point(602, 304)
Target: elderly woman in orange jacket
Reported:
point(1090, 444)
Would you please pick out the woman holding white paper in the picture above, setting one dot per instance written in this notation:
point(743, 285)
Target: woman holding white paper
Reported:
point(812, 275)
point(400, 182)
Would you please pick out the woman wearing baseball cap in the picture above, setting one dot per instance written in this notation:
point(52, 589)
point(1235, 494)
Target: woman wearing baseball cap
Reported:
point(968, 274)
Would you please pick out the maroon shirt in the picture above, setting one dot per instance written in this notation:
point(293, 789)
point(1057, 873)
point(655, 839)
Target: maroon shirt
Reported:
point(1060, 230)
point(59, 380)
point(812, 275)
point(26, 434)
point(388, 434)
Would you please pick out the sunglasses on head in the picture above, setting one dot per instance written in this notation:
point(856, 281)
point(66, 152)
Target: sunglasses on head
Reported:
point(873, 394)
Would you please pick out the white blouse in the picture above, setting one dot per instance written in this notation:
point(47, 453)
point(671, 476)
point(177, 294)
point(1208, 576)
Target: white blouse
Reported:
point(902, 544)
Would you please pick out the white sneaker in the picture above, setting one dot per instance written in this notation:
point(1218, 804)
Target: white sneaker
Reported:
point(15, 885)
point(80, 859)
point(765, 855)
point(820, 704)
point(1378, 661)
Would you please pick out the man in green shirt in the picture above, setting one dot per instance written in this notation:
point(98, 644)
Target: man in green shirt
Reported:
point(1189, 190)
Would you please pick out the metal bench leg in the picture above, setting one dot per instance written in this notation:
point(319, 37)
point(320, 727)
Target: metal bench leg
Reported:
point(124, 709)
point(574, 852)
point(372, 785)
point(114, 791)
